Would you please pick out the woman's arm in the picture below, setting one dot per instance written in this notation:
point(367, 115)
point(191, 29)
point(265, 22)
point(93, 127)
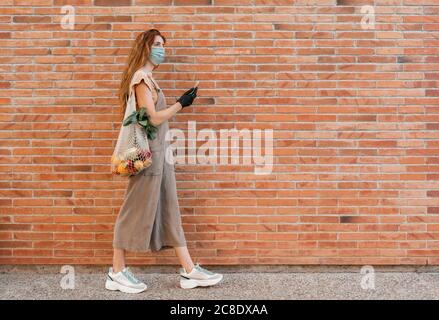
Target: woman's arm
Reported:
point(144, 99)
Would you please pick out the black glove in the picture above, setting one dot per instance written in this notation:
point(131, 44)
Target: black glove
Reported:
point(188, 97)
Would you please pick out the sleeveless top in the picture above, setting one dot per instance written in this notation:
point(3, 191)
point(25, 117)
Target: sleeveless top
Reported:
point(159, 99)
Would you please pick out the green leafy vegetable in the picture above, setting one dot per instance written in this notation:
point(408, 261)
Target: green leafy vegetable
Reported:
point(142, 118)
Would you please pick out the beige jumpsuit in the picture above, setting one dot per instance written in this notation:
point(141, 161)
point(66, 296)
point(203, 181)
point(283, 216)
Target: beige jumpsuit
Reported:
point(149, 218)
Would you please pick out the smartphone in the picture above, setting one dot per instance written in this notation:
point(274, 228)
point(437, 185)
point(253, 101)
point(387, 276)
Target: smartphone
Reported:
point(195, 86)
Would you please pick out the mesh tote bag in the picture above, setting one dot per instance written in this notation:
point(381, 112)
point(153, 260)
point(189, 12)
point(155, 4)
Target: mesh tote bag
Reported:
point(132, 153)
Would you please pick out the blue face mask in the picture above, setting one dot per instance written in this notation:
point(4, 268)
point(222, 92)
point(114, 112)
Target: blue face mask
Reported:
point(157, 55)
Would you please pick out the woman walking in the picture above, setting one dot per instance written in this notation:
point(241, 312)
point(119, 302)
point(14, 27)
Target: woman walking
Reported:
point(149, 218)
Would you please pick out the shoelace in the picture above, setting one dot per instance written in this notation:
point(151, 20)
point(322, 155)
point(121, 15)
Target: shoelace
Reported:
point(130, 275)
point(201, 269)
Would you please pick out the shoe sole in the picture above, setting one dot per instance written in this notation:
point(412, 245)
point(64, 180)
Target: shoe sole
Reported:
point(193, 283)
point(113, 286)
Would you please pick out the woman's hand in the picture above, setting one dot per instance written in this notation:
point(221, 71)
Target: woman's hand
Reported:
point(188, 97)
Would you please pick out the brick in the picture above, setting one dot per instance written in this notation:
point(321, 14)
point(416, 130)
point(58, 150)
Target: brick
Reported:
point(112, 2)
point(354, 114)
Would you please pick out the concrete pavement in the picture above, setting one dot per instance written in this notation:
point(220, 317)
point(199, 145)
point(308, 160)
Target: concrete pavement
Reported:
point(258, 282)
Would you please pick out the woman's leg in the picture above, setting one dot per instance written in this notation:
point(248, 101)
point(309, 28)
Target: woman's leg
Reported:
point(118, 260)
point(185, 258)
point(122, 281)
point(199, 277)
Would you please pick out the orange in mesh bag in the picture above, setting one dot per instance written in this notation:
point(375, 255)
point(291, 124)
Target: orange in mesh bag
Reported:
point(132, 153)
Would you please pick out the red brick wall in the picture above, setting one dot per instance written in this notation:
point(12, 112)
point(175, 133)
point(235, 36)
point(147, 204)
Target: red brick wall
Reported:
point(354, 112)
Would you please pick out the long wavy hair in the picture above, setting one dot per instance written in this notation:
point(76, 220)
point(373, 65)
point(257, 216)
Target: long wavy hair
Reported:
point(137, 58)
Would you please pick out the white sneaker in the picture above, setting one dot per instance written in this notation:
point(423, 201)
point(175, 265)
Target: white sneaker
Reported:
point(198, 277)
point(124, 281)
